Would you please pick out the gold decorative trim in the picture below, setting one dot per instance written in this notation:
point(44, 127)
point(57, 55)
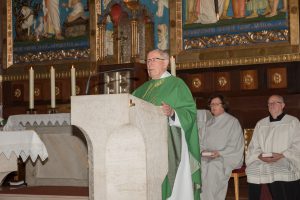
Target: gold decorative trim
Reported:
point(277, 78)
point(222, 81)
point(196, 82)
point(17, 93)
point(230, 40)
point(57, 91)
point(37, 92)
point(79, 74)
point(238, 61)
point(9, 31)
point(178, 29)
point(248, 79)
point(99, 44)
point(52, 56)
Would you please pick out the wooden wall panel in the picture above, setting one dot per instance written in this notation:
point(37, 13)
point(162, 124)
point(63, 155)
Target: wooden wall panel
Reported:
point(17, 92)
point(247, 88)
point(222, 81)
point(277, 78)
point(248, 80)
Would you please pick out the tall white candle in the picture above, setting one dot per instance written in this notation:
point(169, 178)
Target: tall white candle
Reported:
point(31, 88)
point(52, 79)
point(73, 81)
point(173, 66)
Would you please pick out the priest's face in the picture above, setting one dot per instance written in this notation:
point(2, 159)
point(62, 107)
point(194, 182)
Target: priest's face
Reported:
point(216, 107)
point(156, 65)
point(275, 105)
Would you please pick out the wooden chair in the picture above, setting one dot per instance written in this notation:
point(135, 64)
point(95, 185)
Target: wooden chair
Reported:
point(237, 173)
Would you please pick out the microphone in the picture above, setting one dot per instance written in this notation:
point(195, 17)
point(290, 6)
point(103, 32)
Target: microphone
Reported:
point(103, 72)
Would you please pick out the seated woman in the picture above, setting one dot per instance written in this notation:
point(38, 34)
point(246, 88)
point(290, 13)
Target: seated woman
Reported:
point(222, 147)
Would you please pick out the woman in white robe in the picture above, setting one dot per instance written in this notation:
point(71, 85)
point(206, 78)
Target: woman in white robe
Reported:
point(222, 147)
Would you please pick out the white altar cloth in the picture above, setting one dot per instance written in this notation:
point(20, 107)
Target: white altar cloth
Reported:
point(18, 122)
point(68, 163)
point(22, 143)
point(19, 143)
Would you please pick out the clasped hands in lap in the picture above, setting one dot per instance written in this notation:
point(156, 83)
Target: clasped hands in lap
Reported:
point(273, 157)
point(210, 154)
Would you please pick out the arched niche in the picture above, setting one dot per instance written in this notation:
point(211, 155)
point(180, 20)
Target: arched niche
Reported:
point(126, 33)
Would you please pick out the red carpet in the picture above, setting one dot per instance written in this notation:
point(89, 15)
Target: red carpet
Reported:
point(47, 190)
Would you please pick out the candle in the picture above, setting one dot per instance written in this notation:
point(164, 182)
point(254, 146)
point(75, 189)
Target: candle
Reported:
point(73, 81)
point(173, 66)
point(52, 79)
point(31, 88)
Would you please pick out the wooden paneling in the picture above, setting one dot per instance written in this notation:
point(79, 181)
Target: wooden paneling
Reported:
point(197, 82)
point(17, 93)
point(247, 88)
point(248, 80)
point(277, 78)
point(222, 81)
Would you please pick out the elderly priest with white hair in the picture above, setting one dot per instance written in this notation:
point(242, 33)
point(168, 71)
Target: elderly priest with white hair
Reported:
point(183, 179)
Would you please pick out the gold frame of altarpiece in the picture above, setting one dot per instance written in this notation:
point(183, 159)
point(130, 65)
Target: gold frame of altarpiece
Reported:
point(237, 55)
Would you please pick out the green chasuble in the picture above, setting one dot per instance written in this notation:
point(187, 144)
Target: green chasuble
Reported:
point(174, 92)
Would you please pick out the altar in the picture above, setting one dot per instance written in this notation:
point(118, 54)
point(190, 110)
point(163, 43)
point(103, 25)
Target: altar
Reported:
point(67, 164)
point(23, 144)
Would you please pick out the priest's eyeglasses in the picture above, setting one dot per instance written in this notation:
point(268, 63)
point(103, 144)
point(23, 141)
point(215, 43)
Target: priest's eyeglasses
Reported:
point(154, 59)
point(274, 103)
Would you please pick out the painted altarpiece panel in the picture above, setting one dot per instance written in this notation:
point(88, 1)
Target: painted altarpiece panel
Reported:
point(48, 31)
point(220, 33)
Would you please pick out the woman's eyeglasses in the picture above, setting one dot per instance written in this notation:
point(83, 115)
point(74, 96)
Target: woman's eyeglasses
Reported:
point(214, 105)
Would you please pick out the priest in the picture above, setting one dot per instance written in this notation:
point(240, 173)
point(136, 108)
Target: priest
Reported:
point(171, 93)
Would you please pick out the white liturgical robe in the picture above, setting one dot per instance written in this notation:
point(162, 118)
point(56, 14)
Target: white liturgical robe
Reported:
point(223, 134)
point(274, 137)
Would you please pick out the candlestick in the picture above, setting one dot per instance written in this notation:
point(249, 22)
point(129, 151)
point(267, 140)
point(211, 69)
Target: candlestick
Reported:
point(173, 66)
point(73, 81)
point(52, 79)
point(31, 88)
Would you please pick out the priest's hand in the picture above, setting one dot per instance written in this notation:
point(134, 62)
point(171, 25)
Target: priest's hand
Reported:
point(167, 109)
